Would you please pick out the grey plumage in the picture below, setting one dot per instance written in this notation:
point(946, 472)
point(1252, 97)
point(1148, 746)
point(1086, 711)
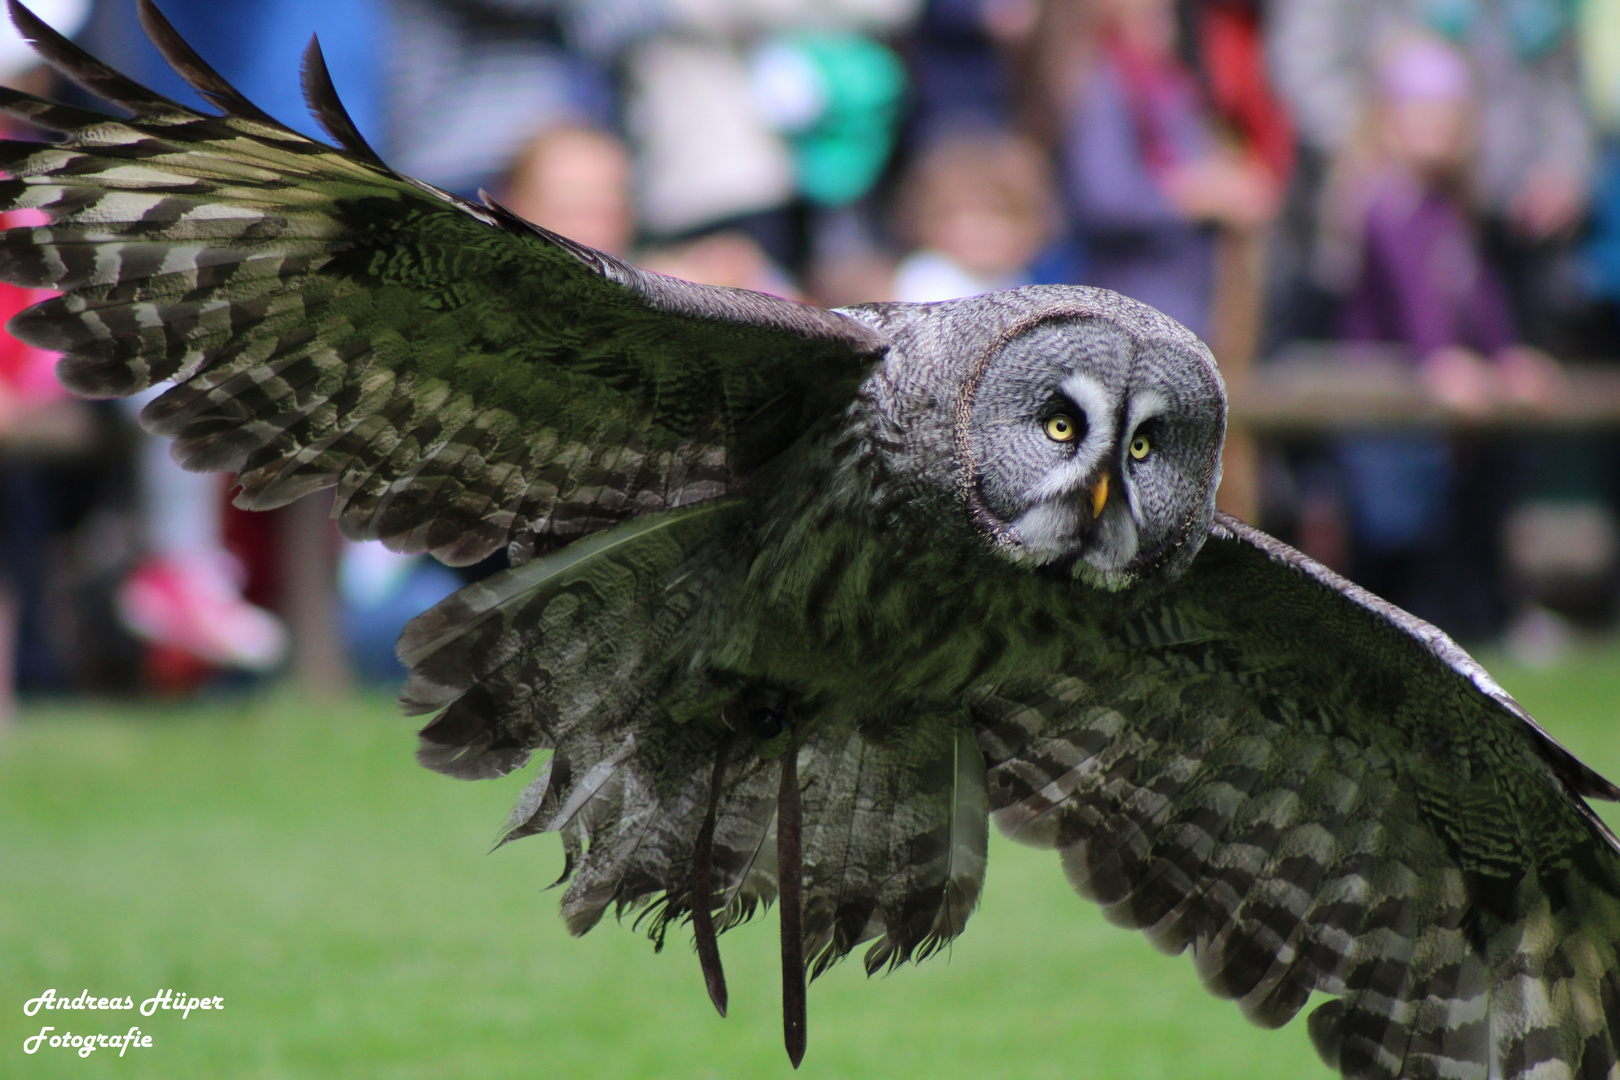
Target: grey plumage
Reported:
point(829, 589)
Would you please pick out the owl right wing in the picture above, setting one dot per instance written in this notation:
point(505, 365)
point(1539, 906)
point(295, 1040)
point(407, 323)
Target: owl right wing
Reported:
point(462, 377)
point(1315, 791)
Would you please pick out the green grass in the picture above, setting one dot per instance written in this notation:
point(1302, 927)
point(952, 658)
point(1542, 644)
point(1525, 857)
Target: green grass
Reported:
point(293, 860)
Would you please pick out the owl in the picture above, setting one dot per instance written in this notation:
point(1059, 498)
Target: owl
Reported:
point(799, 600)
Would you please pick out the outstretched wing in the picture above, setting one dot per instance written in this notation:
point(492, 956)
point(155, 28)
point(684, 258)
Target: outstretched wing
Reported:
point(461, 376)
point(1317, 792)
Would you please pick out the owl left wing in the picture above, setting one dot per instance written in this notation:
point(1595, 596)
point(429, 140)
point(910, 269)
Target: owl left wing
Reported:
point(462, 377)
point(1318, 792)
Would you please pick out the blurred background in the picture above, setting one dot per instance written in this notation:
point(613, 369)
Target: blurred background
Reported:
point(1396, 223)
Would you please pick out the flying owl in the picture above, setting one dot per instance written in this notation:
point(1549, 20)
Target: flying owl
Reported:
point(800, 599)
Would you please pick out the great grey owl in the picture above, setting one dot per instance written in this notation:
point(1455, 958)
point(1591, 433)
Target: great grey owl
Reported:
point(799, 599)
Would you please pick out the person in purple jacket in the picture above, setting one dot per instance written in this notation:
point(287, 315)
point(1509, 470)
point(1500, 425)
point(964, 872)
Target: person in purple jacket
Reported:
point(1401, 239)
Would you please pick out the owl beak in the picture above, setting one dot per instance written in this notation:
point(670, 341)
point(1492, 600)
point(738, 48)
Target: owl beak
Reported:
point(1099, 497)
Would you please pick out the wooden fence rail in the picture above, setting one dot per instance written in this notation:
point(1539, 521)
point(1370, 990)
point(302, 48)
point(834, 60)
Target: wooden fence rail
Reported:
point(1320, 388)
point(1314, 387)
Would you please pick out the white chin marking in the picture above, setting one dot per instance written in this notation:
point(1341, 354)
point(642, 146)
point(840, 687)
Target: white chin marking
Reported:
point(1046, 532)
point(1115, 542)
point(1051, 530)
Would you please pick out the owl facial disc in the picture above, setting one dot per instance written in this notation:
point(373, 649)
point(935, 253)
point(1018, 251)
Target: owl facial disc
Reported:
point(1092, 446)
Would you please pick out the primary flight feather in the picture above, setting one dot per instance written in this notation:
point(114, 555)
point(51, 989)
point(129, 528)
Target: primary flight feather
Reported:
point(800, 599)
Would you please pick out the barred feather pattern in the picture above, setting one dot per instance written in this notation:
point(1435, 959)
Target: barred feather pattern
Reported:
point(1290, 859)
point(464, 379)
point(583, 651)
point(1258, 763)
point(570, 652)
point(895, 838)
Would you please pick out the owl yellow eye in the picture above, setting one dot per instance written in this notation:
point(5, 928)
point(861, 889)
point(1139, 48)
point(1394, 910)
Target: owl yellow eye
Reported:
point(1140, 447)
point(1061, 428)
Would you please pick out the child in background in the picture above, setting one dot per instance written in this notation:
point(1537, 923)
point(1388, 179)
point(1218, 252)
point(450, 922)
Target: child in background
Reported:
point(977, 208)
point(1400, 231)
point(1147, 178)
point(1399, 234)
point(575, 181)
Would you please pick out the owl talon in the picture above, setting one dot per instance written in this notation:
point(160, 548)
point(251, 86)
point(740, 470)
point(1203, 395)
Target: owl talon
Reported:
point(708, 947)
point(790, 908)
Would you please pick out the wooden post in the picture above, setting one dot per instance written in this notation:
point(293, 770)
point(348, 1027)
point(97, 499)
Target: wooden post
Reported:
point(10, 619)
point(320, 663)
point(1236, 309)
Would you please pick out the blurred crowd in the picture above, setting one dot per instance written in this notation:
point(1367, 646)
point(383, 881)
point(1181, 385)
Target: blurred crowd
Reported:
point(1439, 177)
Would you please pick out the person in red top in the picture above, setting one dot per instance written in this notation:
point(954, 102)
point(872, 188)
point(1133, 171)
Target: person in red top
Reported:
point(185, 592)
point(36, 417)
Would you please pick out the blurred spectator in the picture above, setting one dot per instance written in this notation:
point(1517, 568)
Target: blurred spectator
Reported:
point(1532, 166)
point(1148, 178)
point(185, 594)
point(962, 76)
point(1535, 144)
point(792, 95)
point(468, 80)
point(574, 181)
point(976, 208)
point(1600, 41)
point(37, 421)
point(577, 181)
point(1410, 253)
point(1406, 243)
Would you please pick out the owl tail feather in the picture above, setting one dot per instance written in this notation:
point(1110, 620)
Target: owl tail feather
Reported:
point(573, 646)
point(790, 860)
point(670, 805)
point(703, 934)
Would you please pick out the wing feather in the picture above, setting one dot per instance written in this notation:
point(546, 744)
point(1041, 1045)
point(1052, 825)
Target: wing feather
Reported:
point(274, 279)
point(1583, 780)
point(327, 107)
point(1313, 791)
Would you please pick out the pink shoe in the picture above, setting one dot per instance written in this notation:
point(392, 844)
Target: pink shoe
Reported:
point(194, 606)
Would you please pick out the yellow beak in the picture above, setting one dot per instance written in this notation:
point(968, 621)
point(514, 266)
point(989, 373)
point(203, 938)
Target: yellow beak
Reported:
point(1099, 497)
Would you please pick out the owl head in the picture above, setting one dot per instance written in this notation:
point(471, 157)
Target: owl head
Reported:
point(1091, 436)
point(1086, 429)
